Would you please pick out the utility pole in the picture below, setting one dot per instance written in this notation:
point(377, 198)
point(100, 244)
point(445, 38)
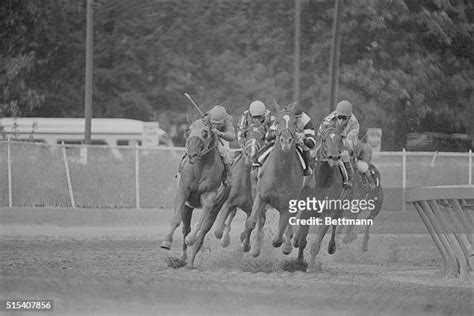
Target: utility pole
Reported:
point(335, 53)
point(296, 59)
point(88, 79)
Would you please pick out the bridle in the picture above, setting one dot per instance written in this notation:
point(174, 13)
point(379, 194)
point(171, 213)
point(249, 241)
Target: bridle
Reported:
point(323, 156)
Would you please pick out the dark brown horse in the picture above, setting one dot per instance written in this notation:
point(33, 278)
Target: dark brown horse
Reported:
point(242, 189)
point(363, 192)
point(280, 180)
point(198, 188)
point(329, 186)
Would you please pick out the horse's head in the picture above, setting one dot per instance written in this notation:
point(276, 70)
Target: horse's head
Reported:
point(198, 139)
point(255, 136)
point(285, 123)
point(331, 145)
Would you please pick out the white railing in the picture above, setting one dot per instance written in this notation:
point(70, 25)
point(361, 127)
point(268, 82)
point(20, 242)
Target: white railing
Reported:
point(33, 174)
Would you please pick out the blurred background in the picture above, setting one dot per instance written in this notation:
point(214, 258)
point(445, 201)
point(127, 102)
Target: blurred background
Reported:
point(406, 65)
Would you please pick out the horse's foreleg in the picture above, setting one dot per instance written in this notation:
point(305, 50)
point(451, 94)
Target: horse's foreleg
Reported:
point(251, 221)
point(259, 238)
point(287, 248)
point(221, 219)
point(226, 240)
point(181, 198)
point(282, 225)
point(186, 218)
point(207, 202)
point(208, 221)
point(302, 234)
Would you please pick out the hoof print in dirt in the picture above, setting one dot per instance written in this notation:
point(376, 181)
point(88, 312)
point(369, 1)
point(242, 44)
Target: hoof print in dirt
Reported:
point(175, 263)
point(294, 265)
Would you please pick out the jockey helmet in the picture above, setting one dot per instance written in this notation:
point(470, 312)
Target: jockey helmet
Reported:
point(298, 111)
point(257, 108)
point(217, 114)
point(344, 108)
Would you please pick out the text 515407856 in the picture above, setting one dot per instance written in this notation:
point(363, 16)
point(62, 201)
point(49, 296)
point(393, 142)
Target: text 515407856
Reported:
point(26, 305)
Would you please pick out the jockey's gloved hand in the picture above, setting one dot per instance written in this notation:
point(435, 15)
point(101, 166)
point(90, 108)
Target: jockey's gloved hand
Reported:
point(215, 131)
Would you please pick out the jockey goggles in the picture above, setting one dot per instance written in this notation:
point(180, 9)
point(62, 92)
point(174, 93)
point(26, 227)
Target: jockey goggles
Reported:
point(342, 117)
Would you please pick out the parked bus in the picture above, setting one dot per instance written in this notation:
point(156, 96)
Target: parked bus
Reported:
point(104, 131)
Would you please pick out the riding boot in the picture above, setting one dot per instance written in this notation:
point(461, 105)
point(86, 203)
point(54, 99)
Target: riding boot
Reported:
point(309, 166)
point(350, 172)
point(227, 174)
point(370, 180)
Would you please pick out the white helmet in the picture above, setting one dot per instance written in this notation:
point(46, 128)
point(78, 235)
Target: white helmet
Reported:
point(344, 108)
point(257, 108)
point(218, 114)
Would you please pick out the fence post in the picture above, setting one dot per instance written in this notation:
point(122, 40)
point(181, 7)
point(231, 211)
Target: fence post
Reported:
point(68, 177)
point(404, 177)
point(137, 175)
point(470, 167)
point(9, 162)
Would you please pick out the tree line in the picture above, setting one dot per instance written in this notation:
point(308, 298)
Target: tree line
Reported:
point(407, 66)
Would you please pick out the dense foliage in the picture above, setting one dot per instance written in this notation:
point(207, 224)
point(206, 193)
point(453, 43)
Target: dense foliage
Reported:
point(407, 65)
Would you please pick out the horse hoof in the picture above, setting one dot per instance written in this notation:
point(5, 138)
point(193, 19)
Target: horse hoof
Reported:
point(277, 243)
point(332, 250)
point(286, 250)
point(166, 245)
point(218, 234)
point(255, 253)
point(365, 247)
point(225, 241)
point(245, 248)
point(296, 244)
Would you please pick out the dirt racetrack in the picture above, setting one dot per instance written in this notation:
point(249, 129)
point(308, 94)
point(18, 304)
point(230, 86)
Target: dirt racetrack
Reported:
point(109, 262)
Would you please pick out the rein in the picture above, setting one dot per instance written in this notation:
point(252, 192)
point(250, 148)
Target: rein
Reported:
point(321, 153)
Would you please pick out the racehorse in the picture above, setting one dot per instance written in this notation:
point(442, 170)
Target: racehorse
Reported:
point(198, 187)
point(241, 195)
point(329, 186)
point(363, 192)
point(280, 180)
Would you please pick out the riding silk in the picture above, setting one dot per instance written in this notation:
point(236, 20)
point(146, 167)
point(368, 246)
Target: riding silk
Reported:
point(350, 132)
point(245, 121)
point(305, 126)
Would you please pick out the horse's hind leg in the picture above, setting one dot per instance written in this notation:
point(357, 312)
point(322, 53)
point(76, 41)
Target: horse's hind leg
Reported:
point(186, 217)
point(316, 246)
point(373, 213)
point(332, 241)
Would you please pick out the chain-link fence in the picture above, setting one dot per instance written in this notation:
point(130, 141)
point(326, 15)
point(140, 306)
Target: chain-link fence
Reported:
point(36, 174)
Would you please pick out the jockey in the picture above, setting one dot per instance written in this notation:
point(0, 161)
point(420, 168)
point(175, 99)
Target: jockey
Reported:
point(346, 122)
point(221, 125)
point(304, 138)
point(256, 114)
